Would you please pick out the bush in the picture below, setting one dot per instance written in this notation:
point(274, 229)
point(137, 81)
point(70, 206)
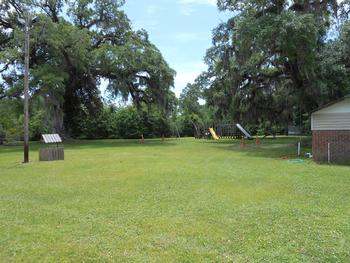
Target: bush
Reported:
point(109, 122)
point(38, 125)
point(2, 134)
point(128, 123)
point(125, 123)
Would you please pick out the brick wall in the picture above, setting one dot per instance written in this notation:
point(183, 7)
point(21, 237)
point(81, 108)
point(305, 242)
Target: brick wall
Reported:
point(339, 145)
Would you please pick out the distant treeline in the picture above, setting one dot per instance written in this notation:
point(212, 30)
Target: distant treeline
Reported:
point(273, 62)
point(269, 66)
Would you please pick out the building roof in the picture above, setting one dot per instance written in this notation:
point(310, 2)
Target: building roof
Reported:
point(331, 103)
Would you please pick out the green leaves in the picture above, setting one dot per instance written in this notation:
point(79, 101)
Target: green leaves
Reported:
point(69, 57)
point(140, 70)
point(274, 58)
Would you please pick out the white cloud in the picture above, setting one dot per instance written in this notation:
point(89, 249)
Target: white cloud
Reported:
point(150, 21)
point(181, 80)
point(152, 10)
point(187, 74)
point(187, 6)
point(185, 37)
point(187, 10)
point(198, 2)
point(190, 66)
point(148, 24)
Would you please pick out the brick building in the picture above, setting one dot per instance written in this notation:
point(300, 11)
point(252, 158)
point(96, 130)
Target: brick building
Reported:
point(330, 127)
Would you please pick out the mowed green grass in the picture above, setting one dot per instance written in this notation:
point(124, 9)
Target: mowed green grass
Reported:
point(180, 201)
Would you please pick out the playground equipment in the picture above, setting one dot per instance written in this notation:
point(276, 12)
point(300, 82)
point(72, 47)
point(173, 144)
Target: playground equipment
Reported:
point(247, 135)
point(213, 134)
point(257, 140)
point(242, 143)
point(222, 130)
point(177, 132)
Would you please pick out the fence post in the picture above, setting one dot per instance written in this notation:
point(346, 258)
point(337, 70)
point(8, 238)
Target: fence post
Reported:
point(329, 153)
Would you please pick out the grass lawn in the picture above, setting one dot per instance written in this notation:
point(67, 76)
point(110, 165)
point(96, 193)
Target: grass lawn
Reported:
point(182, 201)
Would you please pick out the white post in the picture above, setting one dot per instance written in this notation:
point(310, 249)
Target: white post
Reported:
point(329, 153)
point(299, 148)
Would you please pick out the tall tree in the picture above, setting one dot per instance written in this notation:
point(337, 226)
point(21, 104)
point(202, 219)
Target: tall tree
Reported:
point(69, 57)
point(273, 60)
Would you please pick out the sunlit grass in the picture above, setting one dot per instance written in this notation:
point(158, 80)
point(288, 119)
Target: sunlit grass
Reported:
point(180, 201)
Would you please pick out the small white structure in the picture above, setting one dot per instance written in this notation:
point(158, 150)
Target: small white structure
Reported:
point(330, 127)
point(51, 153)
point(51, 138)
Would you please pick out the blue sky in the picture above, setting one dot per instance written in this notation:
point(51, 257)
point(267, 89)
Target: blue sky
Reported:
point(181, 29)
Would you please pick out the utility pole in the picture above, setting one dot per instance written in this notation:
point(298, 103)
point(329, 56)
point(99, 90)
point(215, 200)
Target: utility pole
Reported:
point(26, 89)
point(28, 22)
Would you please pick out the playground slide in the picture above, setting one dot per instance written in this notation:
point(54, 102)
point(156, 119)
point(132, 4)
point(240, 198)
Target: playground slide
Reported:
point(213, 133)
point(243, 131)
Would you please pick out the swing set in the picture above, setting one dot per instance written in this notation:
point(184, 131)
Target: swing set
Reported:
point(220, 131)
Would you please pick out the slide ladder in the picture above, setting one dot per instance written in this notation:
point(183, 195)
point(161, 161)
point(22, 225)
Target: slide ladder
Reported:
point(213, 133)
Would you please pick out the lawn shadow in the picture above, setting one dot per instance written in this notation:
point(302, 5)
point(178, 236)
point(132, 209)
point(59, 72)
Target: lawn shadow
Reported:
point(113, 143)
point(93, 144)
point(10, 148)
point(280, 148)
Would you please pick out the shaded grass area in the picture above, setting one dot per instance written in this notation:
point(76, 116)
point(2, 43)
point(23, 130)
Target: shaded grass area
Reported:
point(180, 201)
point(280, 147)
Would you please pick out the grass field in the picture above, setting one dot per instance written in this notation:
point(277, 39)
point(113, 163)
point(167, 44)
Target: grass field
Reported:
point(182, 201)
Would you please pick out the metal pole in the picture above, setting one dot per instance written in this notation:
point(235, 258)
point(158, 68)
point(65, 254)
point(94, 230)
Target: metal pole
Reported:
point(299, 148)
point(177, 130)
point(26, 90)
point(329, 153)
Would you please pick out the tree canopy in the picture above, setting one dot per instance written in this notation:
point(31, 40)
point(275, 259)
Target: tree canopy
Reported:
point(275, 61)
point(270, 65)
point(75, 45)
